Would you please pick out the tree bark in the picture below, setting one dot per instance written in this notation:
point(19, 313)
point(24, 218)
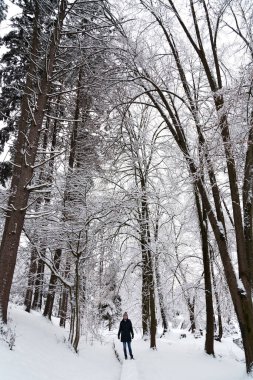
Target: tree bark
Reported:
point(26, 151)
point(39, 284)
point(52, 285)
point(158, 281)
point(150, 274)
point(216, 295)
point(148, 290)
point(153, 322)
point(247, 202)
point(14, 219)
point(63, 307)
point(191, 308)
point(77, 322)
point(202, 216)
point(31, 280)
point(145, 294)
point(160, 297)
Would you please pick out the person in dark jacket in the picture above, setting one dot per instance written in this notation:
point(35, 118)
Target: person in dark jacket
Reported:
point(126, 333)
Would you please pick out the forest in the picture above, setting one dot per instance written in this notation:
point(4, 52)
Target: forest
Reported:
point(126, 174)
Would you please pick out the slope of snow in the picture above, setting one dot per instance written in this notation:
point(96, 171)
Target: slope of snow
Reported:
point(40, 353)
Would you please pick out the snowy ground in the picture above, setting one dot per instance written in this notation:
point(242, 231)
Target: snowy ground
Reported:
point(183, 359)
point(41, 353)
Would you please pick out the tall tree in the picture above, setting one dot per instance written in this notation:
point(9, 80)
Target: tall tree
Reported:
point(30, 124)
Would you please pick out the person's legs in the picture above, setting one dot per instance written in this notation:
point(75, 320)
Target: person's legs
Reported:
point(130, 349)
point(124, 348)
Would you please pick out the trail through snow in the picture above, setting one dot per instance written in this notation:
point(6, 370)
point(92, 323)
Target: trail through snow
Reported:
point(129, 370)
point(42, 353)
point(183, 359)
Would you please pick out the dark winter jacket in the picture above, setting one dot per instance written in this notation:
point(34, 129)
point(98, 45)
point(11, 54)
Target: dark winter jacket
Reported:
point(125, 330)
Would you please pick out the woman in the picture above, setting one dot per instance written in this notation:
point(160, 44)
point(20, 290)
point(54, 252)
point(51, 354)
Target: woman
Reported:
point(126, 332)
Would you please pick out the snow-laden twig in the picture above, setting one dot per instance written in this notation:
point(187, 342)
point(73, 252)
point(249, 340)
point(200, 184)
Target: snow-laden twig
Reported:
point(37, 215)
point(36, 187)
point(63, 119)
point(49, 159)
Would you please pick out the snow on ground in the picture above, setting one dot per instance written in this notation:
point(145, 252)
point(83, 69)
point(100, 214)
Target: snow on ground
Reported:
point(129, 370)
point(183, 359)
point(42, 353)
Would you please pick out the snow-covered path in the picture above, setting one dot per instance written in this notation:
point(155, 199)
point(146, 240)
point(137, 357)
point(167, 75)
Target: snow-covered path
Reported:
point(177, 359)
point(129, 370)
point(40, 353)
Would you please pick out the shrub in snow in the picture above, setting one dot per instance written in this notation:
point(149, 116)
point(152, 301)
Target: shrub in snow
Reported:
point(8, 335)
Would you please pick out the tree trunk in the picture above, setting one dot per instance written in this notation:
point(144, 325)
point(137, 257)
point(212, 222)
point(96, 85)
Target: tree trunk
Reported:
point(202, 216)
point(191, 308)
point(160, 297)
point(148, 290)
point(63, 307)
point(26, 151)
point(39, 284)
point(14, 220)
point(72, 316)
point(153, 321)
point(145, 296)
point(216, 295)
point(52, 285)
point(150, 273)
point(209, 343)
point(31, 280)
point(158, 282)
point(77, 326)
point(247, 202)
